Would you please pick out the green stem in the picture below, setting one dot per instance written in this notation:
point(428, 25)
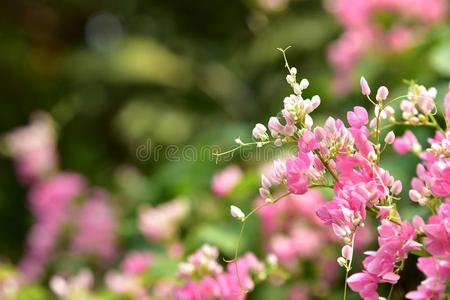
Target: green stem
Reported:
point(390, 291)
point(327, 166)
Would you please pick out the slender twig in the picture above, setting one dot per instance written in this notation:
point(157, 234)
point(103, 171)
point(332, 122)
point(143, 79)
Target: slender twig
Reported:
point(285, 58)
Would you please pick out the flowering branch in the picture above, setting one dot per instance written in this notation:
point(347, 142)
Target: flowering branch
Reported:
point(351, 155)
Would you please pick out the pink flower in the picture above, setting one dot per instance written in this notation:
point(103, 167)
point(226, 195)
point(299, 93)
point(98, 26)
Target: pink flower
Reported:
point(224, 181)
point(95, 227)
point(365, 89)
point(34, 148)
point(358, 117)
point(379, 266)
point(365, 284)
point(296, 168)
point(161, 222)
point(223, 285)
point(363, 33)
point(137, 262)
point(382, 93)
point(49, 202)
point(433, 287)
point(440, 172)
point(307, 142)
point(405, 143)
point(438, 232)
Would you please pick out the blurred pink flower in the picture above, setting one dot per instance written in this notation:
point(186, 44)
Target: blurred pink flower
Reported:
point(162, 222)
point(33, 148)
point(49, 201)
point(95, 227)
point(224, 181)
point(137, 262)
point(225, 285)
point(363, 34)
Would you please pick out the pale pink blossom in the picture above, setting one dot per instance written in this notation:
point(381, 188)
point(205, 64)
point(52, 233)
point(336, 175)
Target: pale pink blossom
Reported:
point(137, 262)
point(49, 201)
point(224, 181)
point(33, 148)
point(95, 227)
point(407, 142)
point(162, 222)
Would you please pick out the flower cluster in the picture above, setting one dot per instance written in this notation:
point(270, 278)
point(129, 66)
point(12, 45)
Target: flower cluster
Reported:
point(205, 279)
point(58, 198)
point(365, 30)
point(437, 272)
point(346, 159)
point(296, 237)
point(395, 242)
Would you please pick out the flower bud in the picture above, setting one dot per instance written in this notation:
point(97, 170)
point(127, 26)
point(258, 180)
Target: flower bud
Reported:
point(265, 182)
point(382, 93)
point(390, 138)
point(347, 252)
point(315, 101)
point(259, 132)
point(290, 79)
point(264, 193)
point(365, 89)
point(237, 213)
point(304, 83)
point(396, 188)
point(293, 71)
point(414, 195)
point(341, 261)
point(308, 121)
point(297, 89)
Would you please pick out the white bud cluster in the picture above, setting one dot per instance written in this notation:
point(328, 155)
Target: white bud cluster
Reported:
point(418, 105)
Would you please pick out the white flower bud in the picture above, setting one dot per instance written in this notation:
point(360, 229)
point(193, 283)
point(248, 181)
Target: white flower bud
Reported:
point(315, 101)
point(396, 188)
point(372, 156)
point(308, 121)
point(297, 89)
point(259, 132)
point(304, 83)
point(347, 252)
point(237, 213)
point(341, 261)
point(239, 141)
point(390, 138)
point(293, 71)
point(290, 79)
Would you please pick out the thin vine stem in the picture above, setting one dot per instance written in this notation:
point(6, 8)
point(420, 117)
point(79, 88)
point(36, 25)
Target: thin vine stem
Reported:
point(390, 291)
point(349, 267)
